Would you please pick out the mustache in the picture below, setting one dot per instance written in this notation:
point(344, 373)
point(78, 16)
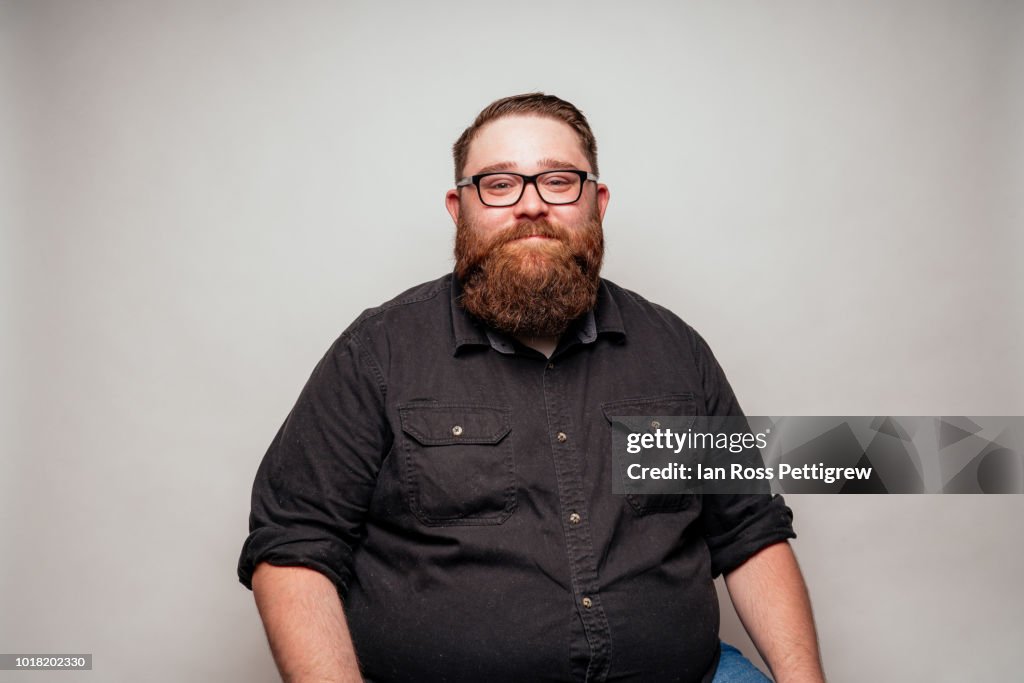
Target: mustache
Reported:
point(521, 229)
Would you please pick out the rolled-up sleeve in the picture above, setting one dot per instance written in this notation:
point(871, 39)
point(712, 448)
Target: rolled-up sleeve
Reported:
point(734, 526)
point(314, 485)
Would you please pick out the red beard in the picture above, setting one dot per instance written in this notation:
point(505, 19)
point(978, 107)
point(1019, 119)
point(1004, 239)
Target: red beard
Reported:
point(533, 288)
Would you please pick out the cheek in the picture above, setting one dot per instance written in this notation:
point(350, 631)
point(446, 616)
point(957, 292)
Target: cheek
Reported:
point(572, 214)
point(575, 222)
point(488, 223)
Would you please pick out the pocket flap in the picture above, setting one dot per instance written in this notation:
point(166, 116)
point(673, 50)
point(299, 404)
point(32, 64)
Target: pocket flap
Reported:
point(680, 405)
point(444, 424)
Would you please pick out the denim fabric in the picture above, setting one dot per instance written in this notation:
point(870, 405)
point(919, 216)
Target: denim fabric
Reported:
point(456, 486)
point(733, 667)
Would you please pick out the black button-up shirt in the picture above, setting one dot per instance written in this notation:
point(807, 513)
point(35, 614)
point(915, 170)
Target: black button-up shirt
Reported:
point(456, 486)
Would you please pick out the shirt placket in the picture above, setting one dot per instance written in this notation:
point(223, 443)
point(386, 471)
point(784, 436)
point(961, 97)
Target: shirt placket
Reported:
point(576, 525)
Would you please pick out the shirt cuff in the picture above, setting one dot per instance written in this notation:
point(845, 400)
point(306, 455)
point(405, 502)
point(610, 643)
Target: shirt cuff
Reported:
point(282, 548)
point(762, 527)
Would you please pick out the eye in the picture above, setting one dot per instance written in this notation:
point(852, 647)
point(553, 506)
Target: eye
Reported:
point(499, 184)
point(560, 182)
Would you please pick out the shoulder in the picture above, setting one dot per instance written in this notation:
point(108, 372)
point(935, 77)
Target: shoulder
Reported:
point(641, 315)
point(664, 337)
point(418, 317)
point(656, 328)
point(424, 300)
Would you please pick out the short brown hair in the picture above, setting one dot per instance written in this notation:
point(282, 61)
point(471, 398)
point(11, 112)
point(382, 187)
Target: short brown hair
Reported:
point(536, 104)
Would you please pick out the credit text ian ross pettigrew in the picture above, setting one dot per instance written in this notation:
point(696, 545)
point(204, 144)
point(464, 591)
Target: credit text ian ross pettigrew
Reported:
point(665, 439)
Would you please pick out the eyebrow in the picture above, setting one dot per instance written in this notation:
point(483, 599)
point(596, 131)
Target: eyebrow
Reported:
point(546, 164)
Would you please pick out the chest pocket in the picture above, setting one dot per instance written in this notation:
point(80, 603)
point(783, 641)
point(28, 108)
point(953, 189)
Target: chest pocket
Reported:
point(457, 463)
point(677, 405)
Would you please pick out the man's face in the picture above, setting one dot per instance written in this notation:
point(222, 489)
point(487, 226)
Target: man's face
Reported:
point(530, 268)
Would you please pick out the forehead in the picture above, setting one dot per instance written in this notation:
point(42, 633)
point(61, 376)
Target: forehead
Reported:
point(526, 144)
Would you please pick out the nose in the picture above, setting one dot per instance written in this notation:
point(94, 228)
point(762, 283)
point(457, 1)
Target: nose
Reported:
point(530, 205)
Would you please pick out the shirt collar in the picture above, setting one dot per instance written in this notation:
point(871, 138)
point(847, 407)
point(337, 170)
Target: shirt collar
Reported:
point(603, 319)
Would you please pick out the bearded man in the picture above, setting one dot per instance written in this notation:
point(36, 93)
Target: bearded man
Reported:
point(438, 504)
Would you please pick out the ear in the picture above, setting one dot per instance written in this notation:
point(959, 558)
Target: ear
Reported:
point(603, 195)
point(452, 203)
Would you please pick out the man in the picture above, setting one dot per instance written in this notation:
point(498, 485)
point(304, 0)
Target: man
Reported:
point(438, 505)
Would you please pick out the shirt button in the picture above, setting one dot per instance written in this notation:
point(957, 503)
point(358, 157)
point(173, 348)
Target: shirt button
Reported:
point(457, 430)
point(551, 366)
point(562, 438)
point(574, 518)
point(587, 602)
point(655, 424)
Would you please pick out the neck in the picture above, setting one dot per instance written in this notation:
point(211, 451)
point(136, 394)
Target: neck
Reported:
point(544, 345)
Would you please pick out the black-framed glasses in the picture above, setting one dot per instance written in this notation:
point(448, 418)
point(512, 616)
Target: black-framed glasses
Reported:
point(504, 188)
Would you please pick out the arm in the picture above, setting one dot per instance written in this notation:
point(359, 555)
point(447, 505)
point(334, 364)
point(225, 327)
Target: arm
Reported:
point(305, 625)
point(309, 506)
point(771, 600)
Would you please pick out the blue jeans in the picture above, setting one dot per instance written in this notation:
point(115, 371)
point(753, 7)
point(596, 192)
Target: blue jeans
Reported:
point(733, 667)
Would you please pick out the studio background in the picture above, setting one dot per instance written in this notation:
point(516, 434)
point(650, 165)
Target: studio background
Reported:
point(196, 198)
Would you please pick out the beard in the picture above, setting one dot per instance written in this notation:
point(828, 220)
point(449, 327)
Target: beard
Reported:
point(532, 288)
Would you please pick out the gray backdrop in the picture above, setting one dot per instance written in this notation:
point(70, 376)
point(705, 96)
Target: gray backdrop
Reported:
point(197, 197)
